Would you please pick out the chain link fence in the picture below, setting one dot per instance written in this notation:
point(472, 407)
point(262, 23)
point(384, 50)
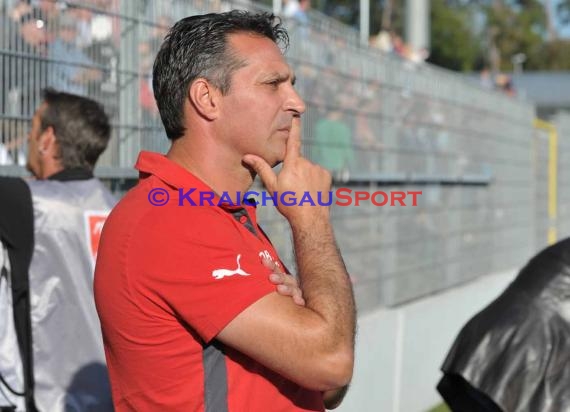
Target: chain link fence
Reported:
point(379, 123)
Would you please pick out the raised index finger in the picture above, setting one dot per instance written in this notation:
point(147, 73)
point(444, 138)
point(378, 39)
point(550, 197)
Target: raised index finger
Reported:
point(293, 149)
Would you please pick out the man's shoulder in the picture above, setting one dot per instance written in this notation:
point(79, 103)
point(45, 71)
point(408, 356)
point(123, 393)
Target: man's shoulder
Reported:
point(154, 206)
point(64, 203)
point(47, 185)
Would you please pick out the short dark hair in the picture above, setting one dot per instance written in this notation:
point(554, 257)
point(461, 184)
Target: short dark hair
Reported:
point(197, 46)
point(80, 125)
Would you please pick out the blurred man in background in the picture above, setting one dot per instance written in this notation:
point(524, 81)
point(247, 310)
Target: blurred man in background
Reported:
point(68, 134)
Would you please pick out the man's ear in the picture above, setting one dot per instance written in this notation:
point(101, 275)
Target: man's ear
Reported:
point(48, 143)
point(205, 98)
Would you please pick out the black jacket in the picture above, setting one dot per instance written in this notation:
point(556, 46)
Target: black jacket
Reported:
point(514, 355)
point(17, 233)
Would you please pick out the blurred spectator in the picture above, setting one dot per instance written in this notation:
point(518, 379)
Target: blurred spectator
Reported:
point(22, 71)
point(298, 10)
point(485, 79)
point(390, 42)
point(514, 355)
point(398, 46)
point(368, 136)
point(12, 153)
point(295, 11)
point(382, 41)
point(83, 19)
point(68, 135)
point(418, 56)
point(290, 8)
point(333, 143)
point(149, 47)
point(50, 11)
point(152, 134)
point(504, 83)
point(72, 69)
point(24, 32)
point(101, 28)
point(103, 51)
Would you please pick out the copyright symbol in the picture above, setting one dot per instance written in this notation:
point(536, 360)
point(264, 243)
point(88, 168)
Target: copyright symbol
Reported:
point(158, 197)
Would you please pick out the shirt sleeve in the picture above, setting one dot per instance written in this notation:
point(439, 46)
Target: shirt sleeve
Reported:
point(202, 266)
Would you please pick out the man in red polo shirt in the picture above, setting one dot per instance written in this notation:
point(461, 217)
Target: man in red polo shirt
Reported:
point(190, 320)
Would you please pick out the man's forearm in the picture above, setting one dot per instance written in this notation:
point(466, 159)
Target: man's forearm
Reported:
point(324, 344)
point(325, 283)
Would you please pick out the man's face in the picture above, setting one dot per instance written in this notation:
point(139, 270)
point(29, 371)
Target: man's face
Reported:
point(68, 34)
point(257, 112)
point(34, 162)
point(34, 32)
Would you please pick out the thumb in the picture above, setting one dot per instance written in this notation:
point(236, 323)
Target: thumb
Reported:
point(262, 168)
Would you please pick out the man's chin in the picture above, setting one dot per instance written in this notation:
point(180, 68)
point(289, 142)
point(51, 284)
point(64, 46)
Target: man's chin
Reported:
point(30, 169)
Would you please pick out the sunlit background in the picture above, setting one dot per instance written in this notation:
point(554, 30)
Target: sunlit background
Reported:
point(465, 101)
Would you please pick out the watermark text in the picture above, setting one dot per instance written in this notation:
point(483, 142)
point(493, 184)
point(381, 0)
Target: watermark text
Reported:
point(340, 197)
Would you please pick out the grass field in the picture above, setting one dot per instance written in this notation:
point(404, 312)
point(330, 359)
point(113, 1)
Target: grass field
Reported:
point(440, 408)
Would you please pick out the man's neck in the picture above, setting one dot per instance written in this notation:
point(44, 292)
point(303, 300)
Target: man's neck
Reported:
point(221, 171)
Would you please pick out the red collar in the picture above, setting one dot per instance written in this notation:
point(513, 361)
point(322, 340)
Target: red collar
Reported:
point(175, 176)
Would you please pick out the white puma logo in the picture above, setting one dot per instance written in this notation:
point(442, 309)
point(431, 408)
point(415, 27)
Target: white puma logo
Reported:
point(220, 273)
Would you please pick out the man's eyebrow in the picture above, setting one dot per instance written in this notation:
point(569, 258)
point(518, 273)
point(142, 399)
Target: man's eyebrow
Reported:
point(280, 77)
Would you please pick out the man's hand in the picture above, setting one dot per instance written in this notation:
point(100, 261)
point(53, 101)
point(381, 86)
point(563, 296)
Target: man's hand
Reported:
point(312, 345)
point(298, 175)
point(287, 285)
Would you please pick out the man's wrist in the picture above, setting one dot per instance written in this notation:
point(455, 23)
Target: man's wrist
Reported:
point(314, 222)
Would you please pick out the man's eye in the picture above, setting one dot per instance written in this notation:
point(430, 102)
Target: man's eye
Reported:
point(274, 83)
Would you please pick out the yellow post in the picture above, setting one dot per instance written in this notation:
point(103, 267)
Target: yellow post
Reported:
point(552, 176)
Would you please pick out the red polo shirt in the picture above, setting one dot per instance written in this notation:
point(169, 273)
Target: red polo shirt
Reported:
point(168, 279)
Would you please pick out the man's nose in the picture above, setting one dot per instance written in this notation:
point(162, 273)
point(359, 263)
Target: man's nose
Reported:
point(295, 103)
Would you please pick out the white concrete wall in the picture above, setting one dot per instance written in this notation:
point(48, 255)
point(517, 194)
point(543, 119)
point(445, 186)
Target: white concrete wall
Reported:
point(399, 351)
